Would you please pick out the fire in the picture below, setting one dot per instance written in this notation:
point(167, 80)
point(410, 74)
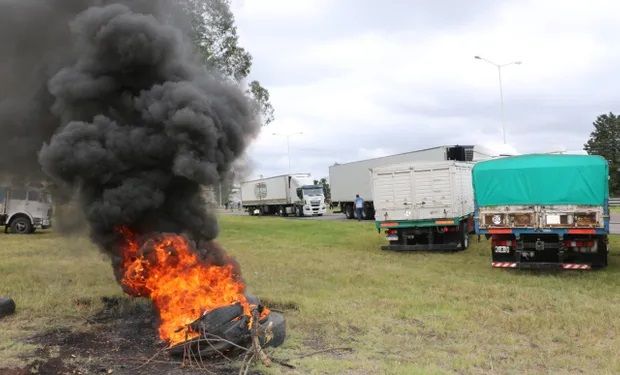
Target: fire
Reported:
point(181, 285)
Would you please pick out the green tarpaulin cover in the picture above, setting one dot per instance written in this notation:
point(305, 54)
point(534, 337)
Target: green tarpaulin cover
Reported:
point(541, 179)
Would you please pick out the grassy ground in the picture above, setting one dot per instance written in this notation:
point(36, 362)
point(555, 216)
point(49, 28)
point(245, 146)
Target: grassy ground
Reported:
point(615, 209)
point(401, 313)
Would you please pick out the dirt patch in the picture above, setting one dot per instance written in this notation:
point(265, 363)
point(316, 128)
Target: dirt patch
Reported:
point(119, 339)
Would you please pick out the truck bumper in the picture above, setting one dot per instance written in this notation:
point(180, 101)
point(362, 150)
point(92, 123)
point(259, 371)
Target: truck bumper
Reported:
point(542, 265)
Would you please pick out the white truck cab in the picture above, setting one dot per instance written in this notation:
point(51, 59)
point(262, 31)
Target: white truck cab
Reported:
point(23, 210)
point(312, 199)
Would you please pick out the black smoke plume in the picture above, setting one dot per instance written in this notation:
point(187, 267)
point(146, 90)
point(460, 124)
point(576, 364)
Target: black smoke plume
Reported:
point(121, 111)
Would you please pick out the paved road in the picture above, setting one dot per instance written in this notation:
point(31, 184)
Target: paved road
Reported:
point(614, 227)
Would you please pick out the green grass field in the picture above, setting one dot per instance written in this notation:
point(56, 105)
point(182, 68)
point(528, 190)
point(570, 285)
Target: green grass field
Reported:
point(401, 313)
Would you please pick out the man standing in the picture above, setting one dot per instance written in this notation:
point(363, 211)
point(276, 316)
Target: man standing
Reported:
point(359, 206)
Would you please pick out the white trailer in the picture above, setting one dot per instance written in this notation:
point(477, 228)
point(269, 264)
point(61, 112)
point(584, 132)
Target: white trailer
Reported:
point(347, 180)
point(23, 210)
point(291, 194)
point(425, 205)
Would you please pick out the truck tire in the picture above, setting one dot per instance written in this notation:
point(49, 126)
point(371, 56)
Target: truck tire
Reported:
point(464, 235)
point(369, 212)
point(348, 211)
point(602, 253)
point(21, 225)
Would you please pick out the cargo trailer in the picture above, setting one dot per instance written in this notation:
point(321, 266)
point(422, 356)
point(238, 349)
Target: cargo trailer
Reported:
point(348, 179)
point(424, 205)
point(544, 211)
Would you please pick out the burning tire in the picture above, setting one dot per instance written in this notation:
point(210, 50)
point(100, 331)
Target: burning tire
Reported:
point(227, 329)
point(278, 329)
point(7, 306)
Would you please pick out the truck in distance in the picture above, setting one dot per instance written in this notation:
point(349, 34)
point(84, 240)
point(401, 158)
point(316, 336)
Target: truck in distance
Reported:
point(290, 194)
point(348, 179)
point(424, 205)
point(544, 211)
point(23, 210)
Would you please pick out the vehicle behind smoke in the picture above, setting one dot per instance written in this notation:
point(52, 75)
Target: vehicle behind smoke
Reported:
point(23, 210)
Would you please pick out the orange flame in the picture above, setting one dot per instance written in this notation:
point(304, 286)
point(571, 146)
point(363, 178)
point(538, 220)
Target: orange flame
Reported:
point(181, 285)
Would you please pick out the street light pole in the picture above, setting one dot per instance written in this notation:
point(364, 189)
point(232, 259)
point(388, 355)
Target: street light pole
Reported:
point(288, 145)
point(501, 89)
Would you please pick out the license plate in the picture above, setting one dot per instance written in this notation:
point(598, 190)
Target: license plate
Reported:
point(502, 249)
point(392, 238)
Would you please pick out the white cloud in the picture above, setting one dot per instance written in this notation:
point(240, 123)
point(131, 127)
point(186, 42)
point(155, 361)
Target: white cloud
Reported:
point(367, 91)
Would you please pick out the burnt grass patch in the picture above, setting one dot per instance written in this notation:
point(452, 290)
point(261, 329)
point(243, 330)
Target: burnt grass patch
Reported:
point(121, 338)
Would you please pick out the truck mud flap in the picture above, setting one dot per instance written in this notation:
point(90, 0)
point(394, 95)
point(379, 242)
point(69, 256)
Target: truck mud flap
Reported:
point(542, 266)
point(424, 247)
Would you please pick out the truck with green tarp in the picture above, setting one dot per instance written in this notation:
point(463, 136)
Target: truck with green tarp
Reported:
point(544, 210)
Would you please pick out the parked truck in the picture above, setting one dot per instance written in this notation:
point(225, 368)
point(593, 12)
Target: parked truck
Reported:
point(544, 211)
point(347, 180)
point(23, 210)
point(290, 194)
point(424, 205)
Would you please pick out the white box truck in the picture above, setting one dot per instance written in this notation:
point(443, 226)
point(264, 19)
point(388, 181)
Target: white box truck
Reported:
point(347, 180)
point(23, 210)
point(290, 194)
point(424, 205)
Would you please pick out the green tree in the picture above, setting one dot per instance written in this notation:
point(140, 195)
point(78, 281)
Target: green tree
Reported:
point(215, 37)
point(327, 192)
point(605, 141)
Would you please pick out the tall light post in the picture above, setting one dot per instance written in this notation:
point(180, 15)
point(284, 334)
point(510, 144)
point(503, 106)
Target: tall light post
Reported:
point(501, 91)
point(288, 145)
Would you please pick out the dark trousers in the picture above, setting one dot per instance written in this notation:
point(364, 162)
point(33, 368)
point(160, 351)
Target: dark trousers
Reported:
point(358, 212)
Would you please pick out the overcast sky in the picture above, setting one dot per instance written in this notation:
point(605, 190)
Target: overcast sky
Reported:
point(371, 78)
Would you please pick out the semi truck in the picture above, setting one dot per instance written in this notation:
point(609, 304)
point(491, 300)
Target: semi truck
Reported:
point(544, 211)
point(24, 210)
point(347, 180)
point(290, 194)
point(424, 205)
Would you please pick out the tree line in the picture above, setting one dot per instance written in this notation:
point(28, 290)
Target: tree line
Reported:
point(605, 141)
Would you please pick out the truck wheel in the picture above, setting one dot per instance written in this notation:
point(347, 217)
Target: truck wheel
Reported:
point(602, 253)
point(21, 225)
point(464, 236)
point(348, 211)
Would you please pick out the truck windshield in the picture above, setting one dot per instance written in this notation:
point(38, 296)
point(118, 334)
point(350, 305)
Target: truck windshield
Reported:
point(34, 196)
point(18, 194)
point(313, 192)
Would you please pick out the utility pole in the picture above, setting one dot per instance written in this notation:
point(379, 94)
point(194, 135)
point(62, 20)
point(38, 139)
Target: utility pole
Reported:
point(501, 90)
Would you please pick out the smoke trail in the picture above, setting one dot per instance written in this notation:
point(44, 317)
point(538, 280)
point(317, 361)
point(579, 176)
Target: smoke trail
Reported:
point(138, 125)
